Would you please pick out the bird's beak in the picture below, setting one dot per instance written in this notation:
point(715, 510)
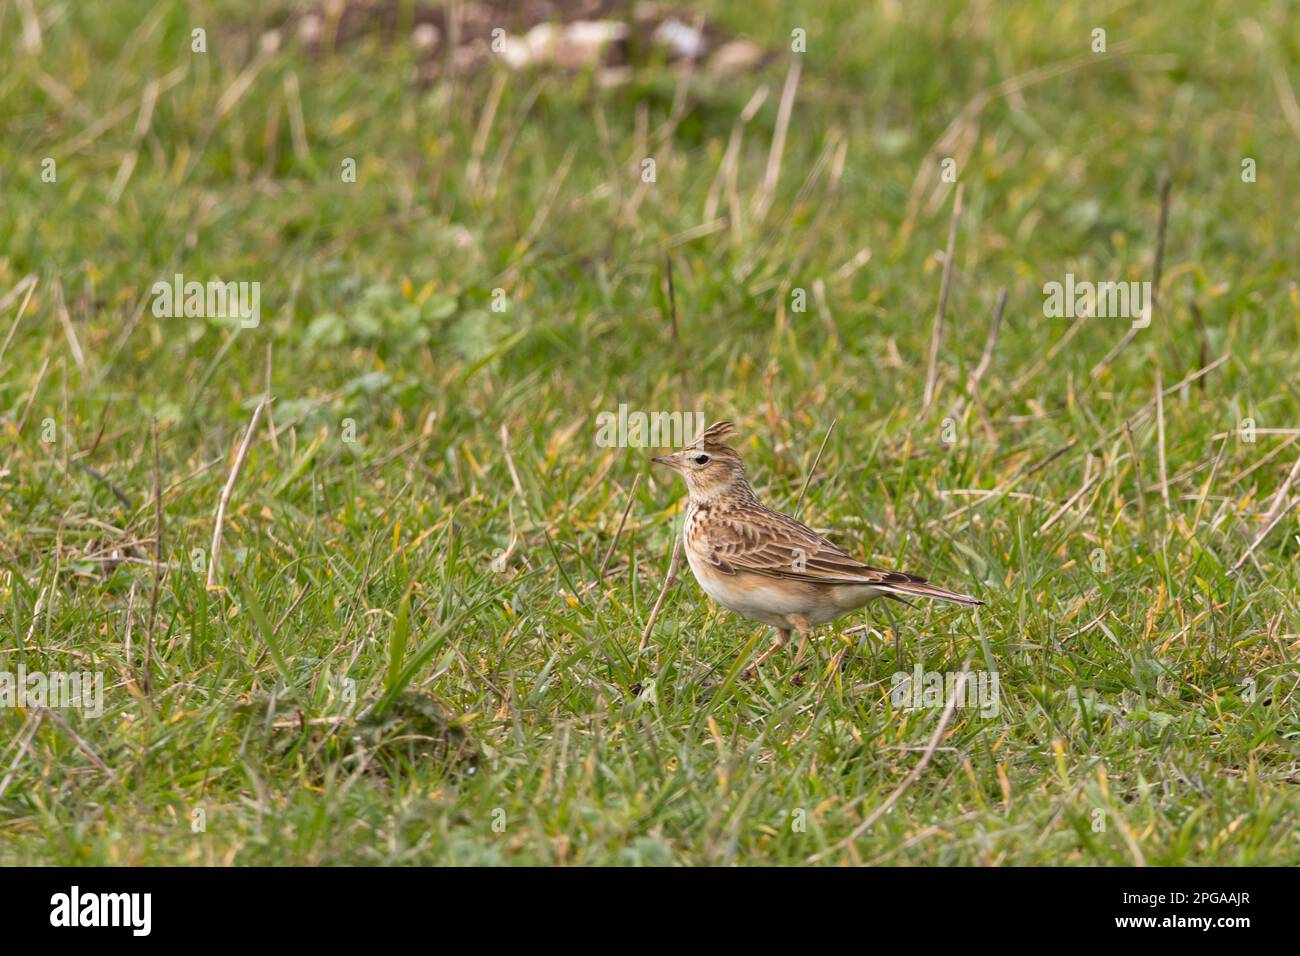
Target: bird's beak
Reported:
point(660, 459)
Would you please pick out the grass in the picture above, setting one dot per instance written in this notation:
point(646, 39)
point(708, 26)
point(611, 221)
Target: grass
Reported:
point(410, 658)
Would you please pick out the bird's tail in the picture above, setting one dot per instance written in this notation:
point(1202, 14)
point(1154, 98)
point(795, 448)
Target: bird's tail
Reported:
point(926, 589)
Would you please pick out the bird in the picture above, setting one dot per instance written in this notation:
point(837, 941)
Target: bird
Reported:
point(767, 566)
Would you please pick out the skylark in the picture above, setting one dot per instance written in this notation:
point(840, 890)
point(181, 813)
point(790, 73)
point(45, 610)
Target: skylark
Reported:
point(767, 566)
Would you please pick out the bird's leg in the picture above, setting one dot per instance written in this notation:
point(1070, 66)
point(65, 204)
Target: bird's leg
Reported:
point(805, 629)
point(782, 637)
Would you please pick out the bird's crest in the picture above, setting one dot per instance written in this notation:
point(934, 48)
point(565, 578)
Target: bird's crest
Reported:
point(714, 435)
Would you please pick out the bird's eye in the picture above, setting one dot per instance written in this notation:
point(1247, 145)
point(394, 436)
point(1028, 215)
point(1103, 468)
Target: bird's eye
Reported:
point(701, 459)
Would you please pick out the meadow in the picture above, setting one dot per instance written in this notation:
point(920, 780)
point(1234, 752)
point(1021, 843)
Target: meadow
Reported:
point(436, 629)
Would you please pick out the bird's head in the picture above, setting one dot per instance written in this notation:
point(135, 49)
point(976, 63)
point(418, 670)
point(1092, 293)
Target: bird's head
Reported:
point(709, 466)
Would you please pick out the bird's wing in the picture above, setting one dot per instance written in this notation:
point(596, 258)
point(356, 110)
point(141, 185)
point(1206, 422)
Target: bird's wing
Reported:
point(777, 546)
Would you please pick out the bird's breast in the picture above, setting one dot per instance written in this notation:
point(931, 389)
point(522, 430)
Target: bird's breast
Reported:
point(754, 596)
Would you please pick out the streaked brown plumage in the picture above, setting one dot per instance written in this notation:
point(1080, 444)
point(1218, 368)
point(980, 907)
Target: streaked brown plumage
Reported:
point(767, 566)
